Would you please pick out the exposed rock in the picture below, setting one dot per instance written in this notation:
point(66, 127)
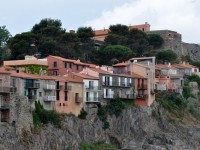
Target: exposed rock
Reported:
point(137, 128)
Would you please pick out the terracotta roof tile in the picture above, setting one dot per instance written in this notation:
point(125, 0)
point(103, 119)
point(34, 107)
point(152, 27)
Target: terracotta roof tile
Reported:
point(121, 64)
point(24, 62)
point(85, 76)
point(99, 70)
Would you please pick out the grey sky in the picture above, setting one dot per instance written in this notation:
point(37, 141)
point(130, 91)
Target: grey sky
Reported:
point(182, 16)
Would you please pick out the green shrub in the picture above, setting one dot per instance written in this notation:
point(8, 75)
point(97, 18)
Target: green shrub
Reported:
point(194, 78)
point(42, 116)
point(82, 114)
point(186, 92)
point(116, 107)
point(172, 102)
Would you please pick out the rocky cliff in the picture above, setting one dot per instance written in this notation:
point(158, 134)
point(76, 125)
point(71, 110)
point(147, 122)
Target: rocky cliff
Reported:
point(138, 128)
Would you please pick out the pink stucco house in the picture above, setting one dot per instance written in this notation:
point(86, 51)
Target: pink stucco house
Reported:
point(61, 66)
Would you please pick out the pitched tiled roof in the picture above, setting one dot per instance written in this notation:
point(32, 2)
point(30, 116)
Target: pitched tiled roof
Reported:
point(31, 76)
point(99, 70)
point(70, 60)
point(121, 64)
point(137, 76)
point(162, 66)
point(184, 66)
point(2, 70)
point(24, 62)
point(85, 76)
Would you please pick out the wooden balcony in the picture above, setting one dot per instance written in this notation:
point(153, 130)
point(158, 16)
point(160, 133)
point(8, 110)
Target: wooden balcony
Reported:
point(142, 96)
point(79, 100)
point(8, 89)
point(142, 87)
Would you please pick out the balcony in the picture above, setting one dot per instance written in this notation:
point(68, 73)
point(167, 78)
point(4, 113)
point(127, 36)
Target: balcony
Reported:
point(50, 98)
point(92, 99)
point(32, 97)
point(128, 96)
point(109, 96)
point(49, 87)
point(4, 105)
point(92, 88)
point(142, 96)
point(32, 85)
point(8, 89)
point(78, 99)
point(119, 84)
point(142, 87)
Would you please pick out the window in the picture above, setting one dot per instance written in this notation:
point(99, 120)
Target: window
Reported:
point(58, 95)
point(65, 85)
point(55, 64)
point(55, 73)
point(65, 64)
point(91, 84)
point(66, 98)
point(70, 65)
point(40, 94)
point(76, 67)
point(13, 83)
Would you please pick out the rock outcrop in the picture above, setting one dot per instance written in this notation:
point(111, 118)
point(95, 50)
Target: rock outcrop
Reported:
point(138, 128)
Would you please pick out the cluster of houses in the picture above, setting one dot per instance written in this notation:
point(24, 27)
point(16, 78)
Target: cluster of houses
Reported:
point(67, 85)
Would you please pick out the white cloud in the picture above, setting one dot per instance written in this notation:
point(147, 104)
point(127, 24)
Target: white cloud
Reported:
point(178, 15)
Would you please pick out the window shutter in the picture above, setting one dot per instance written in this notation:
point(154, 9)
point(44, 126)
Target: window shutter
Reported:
point(104, 93)
point(110, 80)
point(125, 81)
point(119, 80)
point(103, 79)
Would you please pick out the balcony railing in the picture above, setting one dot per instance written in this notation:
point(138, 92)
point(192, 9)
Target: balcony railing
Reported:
point(142, 96)
point(4, 105)
point(109, 96)
point(128, 96)
point(92, 99)
point(92, 88)
point(142, 87)
point(32, 97)
point(49, 87)
point(50, 98)
point(78, 99)
point(119, 84)
point(8, 89)
point(32, 85)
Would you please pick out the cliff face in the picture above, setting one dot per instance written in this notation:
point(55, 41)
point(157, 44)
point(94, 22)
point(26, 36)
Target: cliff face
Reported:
point(173, 41)
point(143, 128)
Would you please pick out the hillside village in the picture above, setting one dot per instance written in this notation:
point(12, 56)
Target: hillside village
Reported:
point(69, 88)
point(67, 85)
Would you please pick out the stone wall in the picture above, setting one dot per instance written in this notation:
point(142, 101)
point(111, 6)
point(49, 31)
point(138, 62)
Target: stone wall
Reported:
point(173, 41)
point(20, 113)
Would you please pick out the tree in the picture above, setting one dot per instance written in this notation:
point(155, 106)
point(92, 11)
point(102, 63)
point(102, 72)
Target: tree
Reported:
point(20, 45)
point(4, 36)
point(119, 29)
point(117, 53)
point(166, 56)
point(86, 45)
point(138, 42)
point(155, 40)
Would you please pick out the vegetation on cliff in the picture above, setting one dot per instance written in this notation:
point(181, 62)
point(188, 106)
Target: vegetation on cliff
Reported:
point(42, 116)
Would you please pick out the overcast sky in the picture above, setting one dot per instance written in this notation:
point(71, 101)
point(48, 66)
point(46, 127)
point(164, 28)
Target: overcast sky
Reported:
point(182, 16)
